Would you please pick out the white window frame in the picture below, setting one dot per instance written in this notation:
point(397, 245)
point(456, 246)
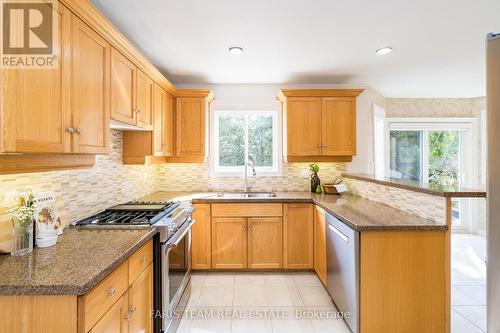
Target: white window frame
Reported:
point(225, 171)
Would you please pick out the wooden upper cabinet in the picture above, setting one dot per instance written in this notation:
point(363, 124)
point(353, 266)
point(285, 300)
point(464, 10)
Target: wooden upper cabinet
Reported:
point(265, 243)
point(229, 243)
point(90, 89)
point(123, 76)
point(320, 244)
point(202, 242)
point(144, 96)
point(168, 125)
point(151, 147)
point(35, 114)
point(320, 123)
point(304, 126)
point(190, 116)
point(159, 101)
point(339, 126)
point(191, 112)
point(298, 236)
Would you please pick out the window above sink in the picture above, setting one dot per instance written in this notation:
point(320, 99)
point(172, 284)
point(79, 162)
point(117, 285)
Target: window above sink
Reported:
point(241, 136)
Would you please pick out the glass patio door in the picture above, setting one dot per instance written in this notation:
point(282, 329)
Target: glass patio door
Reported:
point(428, 156)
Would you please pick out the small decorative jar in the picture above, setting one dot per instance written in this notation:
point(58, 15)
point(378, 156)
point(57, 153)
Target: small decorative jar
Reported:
point(315, 182)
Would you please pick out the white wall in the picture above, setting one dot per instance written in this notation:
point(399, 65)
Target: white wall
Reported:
point(263, 97)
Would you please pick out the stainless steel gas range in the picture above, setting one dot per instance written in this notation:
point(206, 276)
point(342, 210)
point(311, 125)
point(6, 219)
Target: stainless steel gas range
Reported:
point(172, 251)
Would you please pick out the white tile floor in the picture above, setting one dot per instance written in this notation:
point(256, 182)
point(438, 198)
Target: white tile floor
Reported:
point(468, 283)
point(259, 303)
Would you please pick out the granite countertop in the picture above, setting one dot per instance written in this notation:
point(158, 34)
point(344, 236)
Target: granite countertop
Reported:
point(443, 191)
point(359, 213)
point(79, 261)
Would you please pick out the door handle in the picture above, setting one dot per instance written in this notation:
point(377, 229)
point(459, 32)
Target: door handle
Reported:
point(339, 233)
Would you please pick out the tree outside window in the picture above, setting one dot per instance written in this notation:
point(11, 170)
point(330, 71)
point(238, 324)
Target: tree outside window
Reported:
point(245, 136)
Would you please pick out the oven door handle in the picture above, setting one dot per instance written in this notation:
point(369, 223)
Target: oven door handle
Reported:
point(181, 237)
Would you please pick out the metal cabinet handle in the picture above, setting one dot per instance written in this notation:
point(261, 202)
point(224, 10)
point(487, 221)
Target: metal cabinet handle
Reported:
point(133, 309)
point(250, 228)
point(70, 130)
point(111, 291)
point(78, 131)
point(319, 146)
point(143, 259)
point(244, 228)
point(324, 146)
point(137, 110)
point(128, 316)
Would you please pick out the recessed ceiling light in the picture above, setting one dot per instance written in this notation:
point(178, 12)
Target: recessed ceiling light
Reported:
point(235, 50)
point(384, 50)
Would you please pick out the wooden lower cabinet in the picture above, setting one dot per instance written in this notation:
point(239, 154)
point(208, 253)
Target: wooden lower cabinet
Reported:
point(320, 243)
point(298, 236)
point(229, 243)
point(131, 313)
point(115, 320)
point(140, 300)
point(201, 238)
point(265, 242)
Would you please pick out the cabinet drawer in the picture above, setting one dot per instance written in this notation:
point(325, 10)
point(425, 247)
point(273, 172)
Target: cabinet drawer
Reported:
point(93, 305)
point(247, 210)
point(139, 261)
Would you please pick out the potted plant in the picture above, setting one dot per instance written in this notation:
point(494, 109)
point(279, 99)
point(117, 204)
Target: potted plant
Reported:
point(22, 223)
point(315, 181)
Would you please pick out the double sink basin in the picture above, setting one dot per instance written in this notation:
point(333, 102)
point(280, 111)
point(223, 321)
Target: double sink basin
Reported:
point(239, 195)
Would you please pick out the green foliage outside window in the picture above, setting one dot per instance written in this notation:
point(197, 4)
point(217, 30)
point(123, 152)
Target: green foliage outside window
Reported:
point(232, 139)
point(444, 158)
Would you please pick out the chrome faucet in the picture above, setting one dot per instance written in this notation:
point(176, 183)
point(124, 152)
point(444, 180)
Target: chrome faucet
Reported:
point(251, 164)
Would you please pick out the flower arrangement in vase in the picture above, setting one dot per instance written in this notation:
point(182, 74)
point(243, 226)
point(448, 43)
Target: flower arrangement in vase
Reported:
point(22, 216)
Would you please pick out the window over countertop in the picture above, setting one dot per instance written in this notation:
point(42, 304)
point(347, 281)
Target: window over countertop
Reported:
point(242, 136)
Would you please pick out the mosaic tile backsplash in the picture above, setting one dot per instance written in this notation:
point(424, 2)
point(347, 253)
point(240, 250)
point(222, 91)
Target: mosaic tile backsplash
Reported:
point(422, 204)
point(84, 192)
point(196, 177)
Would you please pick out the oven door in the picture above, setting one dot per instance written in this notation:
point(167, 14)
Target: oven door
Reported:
point(176, 274)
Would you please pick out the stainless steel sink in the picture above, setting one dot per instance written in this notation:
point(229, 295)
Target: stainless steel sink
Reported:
point(239, 195)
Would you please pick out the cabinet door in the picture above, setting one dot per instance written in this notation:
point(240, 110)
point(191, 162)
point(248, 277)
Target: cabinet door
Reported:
point(140, 300)
point(298, 236)
point(90, 89)
point(116, 319)
point(202, 243)
point(168, 126)
point(339, 126)
point(190, 127)
point(265, 242)
point(144, 91)
point(122, 88)
point(35, 112)
point(320, 243)
point(158, 121)
point(229, 243)
point(303, 118)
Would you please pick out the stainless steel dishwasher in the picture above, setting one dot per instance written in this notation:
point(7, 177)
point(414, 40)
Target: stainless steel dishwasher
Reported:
point(342, 251)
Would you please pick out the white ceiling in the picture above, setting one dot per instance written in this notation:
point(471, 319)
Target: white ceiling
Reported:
point(439, 44)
